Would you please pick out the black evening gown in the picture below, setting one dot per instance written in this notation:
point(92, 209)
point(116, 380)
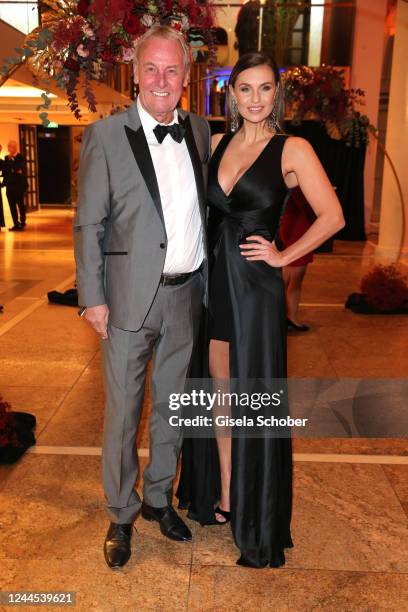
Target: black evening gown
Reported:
point(247, 309)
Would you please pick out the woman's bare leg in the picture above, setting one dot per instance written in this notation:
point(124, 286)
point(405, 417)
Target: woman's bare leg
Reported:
point(293, 278)
point(219, 371)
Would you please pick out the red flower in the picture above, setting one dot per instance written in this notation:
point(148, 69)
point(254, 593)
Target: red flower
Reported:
point(108, 57)
point(72, 64)
point(207, 22)
point(193, 14)
point(117, 41)
point(68, 33)
point(83, 7)
point(131, 24)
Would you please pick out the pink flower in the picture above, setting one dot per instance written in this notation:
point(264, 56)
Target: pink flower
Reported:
point(127, 54)
point(147, 20)
point(88, 31)
point(82, 51)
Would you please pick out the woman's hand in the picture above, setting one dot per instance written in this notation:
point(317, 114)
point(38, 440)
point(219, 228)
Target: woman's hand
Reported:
point(261, 249)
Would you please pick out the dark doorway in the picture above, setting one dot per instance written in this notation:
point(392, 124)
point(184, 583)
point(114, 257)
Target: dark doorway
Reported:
point(54, 159)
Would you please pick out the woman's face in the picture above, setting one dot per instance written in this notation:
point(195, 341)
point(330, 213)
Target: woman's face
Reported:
point(254, 91)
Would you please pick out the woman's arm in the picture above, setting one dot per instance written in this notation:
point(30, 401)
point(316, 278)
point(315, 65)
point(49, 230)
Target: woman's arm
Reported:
point(301, 167)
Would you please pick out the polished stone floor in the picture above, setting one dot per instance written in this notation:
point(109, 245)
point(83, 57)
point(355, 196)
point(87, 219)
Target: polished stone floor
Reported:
point(350, 514)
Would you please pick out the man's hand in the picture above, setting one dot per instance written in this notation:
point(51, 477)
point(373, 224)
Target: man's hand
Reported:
point(97, 317)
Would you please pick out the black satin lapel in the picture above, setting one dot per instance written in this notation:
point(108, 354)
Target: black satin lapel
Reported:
point(140, 150)
point(195, 160)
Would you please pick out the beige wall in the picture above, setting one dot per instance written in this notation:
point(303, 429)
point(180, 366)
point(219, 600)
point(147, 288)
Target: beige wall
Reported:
point(8, 131)
point(366, 69)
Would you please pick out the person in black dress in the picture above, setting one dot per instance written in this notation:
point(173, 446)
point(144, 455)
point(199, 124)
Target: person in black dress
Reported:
point(252, 170)
point(297, 218)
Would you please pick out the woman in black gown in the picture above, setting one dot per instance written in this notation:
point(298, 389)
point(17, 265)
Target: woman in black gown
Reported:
point(252, 170)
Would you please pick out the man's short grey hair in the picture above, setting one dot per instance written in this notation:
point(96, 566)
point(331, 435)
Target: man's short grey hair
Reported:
point(169, 33)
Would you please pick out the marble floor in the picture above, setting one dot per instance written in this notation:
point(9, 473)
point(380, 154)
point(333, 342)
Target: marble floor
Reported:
point(350, 514)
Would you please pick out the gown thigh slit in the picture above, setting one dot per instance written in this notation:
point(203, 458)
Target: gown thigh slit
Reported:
point(246, 309)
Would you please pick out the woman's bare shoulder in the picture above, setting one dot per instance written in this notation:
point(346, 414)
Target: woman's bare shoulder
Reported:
point(297, 145)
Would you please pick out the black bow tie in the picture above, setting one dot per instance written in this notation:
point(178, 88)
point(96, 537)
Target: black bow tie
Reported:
point(176, 131)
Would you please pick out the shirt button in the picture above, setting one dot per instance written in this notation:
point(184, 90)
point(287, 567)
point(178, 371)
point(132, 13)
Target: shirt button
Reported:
point(162, 245)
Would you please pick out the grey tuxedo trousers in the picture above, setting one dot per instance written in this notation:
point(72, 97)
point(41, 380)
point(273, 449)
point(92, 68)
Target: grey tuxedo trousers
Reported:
point(167, 336)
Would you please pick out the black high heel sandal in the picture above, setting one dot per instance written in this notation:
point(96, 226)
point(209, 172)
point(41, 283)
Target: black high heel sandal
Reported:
point(224, 513)
point(211, 520)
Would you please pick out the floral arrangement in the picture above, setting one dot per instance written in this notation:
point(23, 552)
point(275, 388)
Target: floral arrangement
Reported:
point(16, 433)
point(8, 434)
point(385, 289)
point(89, 36)
point(320, 93)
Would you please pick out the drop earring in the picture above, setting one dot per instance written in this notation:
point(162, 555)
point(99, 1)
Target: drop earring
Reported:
point(234, 115)
point(272, 121)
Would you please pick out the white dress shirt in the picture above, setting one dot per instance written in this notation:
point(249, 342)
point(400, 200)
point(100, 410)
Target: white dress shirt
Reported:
point(179, 199)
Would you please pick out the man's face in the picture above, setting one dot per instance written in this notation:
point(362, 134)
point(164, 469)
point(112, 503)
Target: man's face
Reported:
point(12, 148)
point(161, 76)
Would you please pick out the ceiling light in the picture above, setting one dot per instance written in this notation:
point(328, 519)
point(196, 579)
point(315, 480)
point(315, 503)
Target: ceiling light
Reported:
point(22, 92)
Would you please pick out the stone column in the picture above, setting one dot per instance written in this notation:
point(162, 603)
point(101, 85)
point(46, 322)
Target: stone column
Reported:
point(392, 237)
point(366, 69)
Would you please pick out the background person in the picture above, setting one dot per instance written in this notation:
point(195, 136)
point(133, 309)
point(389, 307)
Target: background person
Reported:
point(297, 218)
point(15, 181)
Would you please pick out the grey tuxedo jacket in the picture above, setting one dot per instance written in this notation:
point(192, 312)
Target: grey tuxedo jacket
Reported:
point(119, 233)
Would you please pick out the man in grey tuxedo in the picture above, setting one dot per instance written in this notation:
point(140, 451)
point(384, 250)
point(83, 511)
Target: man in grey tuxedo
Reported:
point(141, 271)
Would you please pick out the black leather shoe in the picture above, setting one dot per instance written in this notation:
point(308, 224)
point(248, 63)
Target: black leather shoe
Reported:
point(117, 545)
point(295, 327)
point(171, 525)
